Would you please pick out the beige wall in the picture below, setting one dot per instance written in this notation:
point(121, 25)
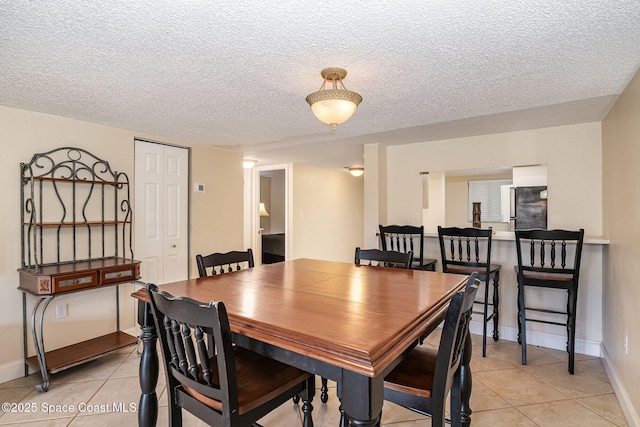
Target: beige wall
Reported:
point(327, 214)
point(573, 155)
point(574, 158)
point(216, 216)
point(593, 183)
point(621, 196)
point(375, 202)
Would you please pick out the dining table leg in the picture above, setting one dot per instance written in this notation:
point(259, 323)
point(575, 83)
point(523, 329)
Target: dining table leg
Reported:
point(343, 418)
point(466, 383)
point(362, 399)
point(149, 367)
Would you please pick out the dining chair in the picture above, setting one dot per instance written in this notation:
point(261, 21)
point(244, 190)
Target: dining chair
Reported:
point(226, 262)
point(553, 262)
point(465, 250)
point(383, 258)
point(220, 383)
point(424, 378)
point(405, 238)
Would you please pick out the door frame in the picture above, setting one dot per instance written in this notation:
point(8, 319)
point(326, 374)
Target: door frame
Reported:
point(252, 218)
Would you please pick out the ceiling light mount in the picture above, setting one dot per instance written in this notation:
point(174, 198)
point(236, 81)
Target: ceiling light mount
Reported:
point(333, 73)
point(335, 105)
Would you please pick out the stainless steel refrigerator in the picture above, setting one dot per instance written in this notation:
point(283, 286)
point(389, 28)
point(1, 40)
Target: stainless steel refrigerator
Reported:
point(528, 208)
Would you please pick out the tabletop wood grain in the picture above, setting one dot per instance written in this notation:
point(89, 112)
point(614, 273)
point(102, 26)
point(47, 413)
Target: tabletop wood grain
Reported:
point(359, 318)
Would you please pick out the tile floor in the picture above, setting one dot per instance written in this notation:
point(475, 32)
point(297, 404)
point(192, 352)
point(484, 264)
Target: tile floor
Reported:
point(505, 393)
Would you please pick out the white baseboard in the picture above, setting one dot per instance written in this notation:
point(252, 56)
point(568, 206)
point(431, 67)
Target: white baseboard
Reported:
point(557, 342)
point(621, 392)
point(12, 371)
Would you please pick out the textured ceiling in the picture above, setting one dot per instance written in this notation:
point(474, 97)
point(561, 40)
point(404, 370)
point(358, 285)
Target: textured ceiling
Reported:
point(236, 73)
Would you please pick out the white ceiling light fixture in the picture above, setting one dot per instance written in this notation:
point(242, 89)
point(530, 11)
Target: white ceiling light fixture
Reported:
point(335, 105)
point(356, 171)
point(248, 163)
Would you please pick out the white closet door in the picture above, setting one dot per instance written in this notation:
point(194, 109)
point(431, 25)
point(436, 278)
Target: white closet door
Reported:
point(161, 211)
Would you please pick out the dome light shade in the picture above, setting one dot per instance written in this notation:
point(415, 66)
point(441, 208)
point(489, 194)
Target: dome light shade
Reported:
point(356, 171)
point(248, 163)
point(337, 105)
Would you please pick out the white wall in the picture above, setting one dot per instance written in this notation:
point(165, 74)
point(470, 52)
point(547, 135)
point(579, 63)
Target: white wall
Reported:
point(216, 216)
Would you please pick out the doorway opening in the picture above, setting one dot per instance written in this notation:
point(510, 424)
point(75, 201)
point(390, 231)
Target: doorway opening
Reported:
point(269, 213)
point(272, 209)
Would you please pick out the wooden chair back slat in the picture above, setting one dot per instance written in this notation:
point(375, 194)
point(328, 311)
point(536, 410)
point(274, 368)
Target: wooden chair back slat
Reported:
point(466, 246)
point(406, 238)
point(186, 321)
point(543, 250)
point(224, 262)
point(383, 258)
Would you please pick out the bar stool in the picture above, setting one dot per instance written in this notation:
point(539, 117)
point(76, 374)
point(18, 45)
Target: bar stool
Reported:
point(469, 251)
point(542, 270)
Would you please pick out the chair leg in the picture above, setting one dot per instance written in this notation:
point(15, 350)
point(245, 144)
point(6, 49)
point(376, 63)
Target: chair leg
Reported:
point(571, 328)
point(307, 407)
point(465, 384)
point(485, 313)
point(455, 398)
point(496, 301)
point(307, 398)
point(518, 316)
point(522, 327)
point(324, 391)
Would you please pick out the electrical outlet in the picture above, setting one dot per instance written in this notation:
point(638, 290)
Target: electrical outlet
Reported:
point(61, 311)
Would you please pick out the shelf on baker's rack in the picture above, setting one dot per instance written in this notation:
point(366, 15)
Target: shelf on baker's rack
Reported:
point(75, 354)
point(77, 224)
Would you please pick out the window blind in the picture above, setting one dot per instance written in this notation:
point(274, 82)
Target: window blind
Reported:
point(489, 194)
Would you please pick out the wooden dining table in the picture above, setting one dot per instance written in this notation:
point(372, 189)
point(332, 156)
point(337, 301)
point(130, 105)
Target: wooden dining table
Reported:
point(351, 324)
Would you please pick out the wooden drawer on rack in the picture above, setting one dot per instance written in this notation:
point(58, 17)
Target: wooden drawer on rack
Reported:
point(47, 284)
point(71, 282)
point(75, 276)
point(120, 274)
